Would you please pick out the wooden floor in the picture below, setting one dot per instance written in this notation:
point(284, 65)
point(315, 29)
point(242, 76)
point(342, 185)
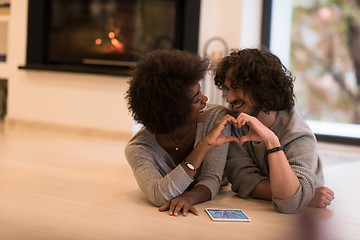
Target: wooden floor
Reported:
point(71, 187)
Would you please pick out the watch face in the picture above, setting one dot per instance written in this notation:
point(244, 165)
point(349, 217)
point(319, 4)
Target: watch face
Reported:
point(190, 166)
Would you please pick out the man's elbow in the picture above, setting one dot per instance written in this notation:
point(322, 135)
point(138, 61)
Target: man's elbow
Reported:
point(286, 209)
point(289, 206)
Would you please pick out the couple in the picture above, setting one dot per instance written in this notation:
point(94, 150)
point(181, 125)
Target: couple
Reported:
point(265, 148)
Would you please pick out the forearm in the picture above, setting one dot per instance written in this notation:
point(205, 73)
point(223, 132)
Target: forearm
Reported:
point(262, 191)
point(196, 157)
point(198, 194)
point(283, 181)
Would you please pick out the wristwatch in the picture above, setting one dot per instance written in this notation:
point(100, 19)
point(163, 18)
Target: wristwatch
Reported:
point(190, 166)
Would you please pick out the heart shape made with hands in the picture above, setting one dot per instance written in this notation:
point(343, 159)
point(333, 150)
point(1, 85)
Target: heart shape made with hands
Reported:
point(257, 131)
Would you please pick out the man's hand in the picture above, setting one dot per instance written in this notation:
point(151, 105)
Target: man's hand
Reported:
point(257, 131)
point(177, 204)
point(322, 198)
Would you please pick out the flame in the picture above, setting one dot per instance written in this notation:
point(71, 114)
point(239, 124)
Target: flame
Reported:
point(111, 35)
point(98, 41)
point(118, 45)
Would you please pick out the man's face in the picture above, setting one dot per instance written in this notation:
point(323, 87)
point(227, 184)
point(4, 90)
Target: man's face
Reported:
point(237, 99)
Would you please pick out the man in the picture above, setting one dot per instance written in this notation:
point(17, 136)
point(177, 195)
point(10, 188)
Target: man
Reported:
point(277, 158)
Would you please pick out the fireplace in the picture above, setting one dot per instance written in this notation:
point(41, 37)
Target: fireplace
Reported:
point(106, 36)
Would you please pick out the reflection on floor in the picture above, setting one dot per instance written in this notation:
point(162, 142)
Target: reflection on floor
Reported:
point(332, 153)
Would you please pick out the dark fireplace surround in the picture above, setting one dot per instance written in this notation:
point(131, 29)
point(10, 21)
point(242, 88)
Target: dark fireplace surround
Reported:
point(117, 46)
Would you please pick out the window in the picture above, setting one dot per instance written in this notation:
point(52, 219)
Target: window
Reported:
point(319, 41)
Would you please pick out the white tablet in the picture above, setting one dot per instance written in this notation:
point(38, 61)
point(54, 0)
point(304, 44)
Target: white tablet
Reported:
point(236, 215)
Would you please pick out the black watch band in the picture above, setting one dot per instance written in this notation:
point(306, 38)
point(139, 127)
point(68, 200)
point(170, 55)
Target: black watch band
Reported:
point(276, 149)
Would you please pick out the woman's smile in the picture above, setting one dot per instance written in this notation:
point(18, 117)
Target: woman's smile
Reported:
point(203, 111)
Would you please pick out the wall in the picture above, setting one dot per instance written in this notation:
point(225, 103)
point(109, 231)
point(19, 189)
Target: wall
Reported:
point(94, 102)
point(91, 102)
point(237, 23)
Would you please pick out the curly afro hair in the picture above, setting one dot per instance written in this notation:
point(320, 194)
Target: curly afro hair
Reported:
point(158, 93)
point(261, 75)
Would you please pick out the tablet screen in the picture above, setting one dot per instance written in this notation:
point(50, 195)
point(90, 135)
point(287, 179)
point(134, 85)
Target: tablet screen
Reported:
point(227, 215)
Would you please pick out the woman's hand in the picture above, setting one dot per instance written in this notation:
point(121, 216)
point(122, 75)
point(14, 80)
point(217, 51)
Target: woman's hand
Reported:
point(216, 136)
point(179, 203)
point(257, 131)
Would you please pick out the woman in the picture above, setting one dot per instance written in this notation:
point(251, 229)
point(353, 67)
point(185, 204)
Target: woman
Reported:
point(178, 157)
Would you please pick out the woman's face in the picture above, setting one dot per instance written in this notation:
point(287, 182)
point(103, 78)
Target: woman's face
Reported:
point(198, 104)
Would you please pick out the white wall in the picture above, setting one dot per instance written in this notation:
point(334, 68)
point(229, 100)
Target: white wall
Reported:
point(97, 101)
point(237, 23)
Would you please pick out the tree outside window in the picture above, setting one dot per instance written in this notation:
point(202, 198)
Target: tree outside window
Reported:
point(325, 59)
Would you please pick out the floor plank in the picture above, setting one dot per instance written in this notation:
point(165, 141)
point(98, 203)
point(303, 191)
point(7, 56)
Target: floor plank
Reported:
point(58, 187)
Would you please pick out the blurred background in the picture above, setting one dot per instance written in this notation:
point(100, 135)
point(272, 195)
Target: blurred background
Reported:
point(64, 65)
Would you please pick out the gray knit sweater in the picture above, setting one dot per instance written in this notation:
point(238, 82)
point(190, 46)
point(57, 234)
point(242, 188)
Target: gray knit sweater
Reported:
point(157, 175)
point(247, 165)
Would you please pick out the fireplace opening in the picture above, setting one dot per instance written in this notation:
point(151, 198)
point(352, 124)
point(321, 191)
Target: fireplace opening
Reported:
point(107, 36)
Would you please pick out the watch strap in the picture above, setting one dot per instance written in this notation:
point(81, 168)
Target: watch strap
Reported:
point(276, 149)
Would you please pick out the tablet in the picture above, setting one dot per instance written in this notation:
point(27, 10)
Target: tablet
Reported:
point(236, 215)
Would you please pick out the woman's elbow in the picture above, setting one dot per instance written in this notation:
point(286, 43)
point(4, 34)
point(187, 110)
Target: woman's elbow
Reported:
point(157, 198)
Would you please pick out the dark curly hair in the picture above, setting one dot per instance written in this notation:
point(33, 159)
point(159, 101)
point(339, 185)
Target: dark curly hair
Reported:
point(158, 93)
point(261, 75)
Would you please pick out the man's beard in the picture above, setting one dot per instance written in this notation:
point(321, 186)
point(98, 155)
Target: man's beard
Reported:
point(254, 111)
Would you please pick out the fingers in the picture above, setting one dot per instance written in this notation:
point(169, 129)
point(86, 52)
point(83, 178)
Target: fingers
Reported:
point(231, 139)
point(175, 207)
point(329, 197)
point(328, 194)
point(243, 118)
point(329, 191)
point(244, 139)
point(230, 119)
point(226, 120)
point(194, 211)
point(172, 207)
point(322, 198)
point(185, 211)
point(165, 207)
point(326, 202)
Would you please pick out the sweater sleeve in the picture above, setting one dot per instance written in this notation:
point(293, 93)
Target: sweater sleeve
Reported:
point(303, 158)
point(212, 168)
point(160, 184)
point(242, 171)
